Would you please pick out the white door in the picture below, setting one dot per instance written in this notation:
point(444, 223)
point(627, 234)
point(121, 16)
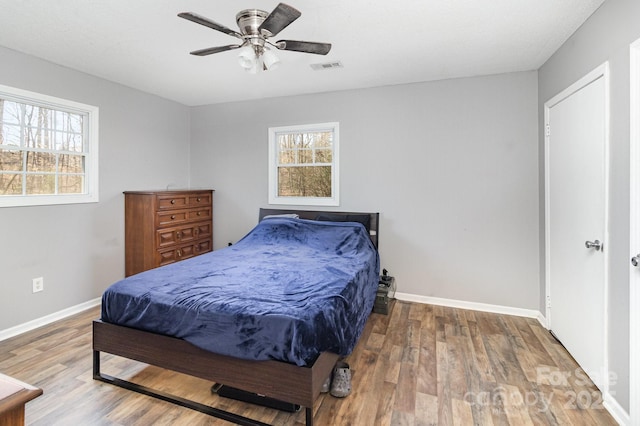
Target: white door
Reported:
point(575, 165)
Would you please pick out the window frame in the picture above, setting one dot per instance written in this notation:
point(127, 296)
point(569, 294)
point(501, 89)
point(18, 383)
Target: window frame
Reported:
point(90, 151)
point(274, 198)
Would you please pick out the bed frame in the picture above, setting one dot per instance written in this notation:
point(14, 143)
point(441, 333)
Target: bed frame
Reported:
point(274, 379)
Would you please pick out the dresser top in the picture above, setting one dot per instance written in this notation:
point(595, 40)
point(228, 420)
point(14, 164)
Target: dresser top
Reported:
point(169, 191)
point(15, 393)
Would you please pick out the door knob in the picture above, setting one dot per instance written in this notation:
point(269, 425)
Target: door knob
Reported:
point(635, 260)
point(593, 244)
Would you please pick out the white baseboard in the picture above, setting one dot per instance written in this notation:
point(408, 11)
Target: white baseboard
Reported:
point(474, 306)
point(618, 413)
point(39, 322)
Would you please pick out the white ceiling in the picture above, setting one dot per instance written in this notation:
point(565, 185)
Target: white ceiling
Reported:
point(143, 44)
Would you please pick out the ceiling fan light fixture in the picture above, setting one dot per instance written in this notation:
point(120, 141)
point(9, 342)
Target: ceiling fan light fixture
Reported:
point(247, 57)
point(270, 60)
point(254, 68)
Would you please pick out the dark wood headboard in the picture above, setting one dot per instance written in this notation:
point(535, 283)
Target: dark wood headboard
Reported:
point(374, 220)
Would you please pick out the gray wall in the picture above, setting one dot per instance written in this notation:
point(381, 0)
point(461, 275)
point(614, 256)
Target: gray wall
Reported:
point(79, 249)
point(606, 36)
point(452, 167)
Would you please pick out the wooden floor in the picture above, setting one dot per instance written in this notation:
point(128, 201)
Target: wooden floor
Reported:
point(420, 365)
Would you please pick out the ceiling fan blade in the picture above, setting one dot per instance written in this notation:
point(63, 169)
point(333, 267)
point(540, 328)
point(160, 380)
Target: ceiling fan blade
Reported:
point(279, 19)
point(304, 46)
point(212, 50)
point(194, 17)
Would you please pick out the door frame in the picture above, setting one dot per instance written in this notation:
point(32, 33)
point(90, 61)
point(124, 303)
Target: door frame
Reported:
point(602, 71)
point(634, 232)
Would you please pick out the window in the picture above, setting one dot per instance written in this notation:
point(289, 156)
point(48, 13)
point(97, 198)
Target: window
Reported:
point(48, 150)
point(303, 165)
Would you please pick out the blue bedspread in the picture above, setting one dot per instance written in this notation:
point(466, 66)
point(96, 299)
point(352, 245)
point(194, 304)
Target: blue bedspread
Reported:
point(287, 291)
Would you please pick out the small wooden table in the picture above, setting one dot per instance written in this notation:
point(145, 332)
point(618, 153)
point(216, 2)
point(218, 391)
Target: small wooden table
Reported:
point(14, 394)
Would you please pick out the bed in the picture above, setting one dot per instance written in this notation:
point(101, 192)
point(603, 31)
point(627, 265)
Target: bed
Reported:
point(282, 341)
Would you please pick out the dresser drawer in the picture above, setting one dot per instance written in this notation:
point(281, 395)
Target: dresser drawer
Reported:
point(175, 254)
point(167, 237)
point(200, 199)
point(199, 214)
point(172, 218)
point(173, 201)
point(176, 217)
point(183, 251)
point(203, 246)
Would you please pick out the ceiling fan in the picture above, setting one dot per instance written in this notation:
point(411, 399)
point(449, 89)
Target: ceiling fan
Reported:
point(256, 27)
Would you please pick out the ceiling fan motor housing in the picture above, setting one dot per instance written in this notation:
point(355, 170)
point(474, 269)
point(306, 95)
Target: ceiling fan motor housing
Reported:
point(249, 21)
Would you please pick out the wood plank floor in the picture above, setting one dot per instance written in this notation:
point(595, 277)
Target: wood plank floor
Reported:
point(420, 365)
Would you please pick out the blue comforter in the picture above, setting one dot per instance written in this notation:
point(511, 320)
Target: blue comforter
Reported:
point(287, 291)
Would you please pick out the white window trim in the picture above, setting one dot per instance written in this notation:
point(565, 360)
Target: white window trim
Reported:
point(335, 168)
point(91, 172)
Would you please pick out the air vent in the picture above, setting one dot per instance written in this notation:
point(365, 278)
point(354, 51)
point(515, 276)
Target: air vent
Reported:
point(326, 66)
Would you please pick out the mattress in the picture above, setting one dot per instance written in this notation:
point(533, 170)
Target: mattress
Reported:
point(289, 290)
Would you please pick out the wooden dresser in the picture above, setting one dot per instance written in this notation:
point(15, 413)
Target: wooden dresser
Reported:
point(163, 227)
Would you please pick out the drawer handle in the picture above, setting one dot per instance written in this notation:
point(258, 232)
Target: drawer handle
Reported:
point(173, 201)
point(178, 234)
point(198, 199)
point(173, 216)
point(199, 213)
point(179, 252)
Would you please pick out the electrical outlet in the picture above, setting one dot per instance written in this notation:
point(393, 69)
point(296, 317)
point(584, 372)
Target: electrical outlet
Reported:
point(38, 284)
